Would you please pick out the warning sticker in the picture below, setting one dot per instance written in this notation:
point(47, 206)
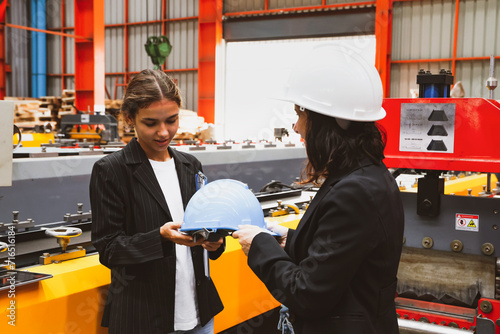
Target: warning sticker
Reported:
point(466, 222)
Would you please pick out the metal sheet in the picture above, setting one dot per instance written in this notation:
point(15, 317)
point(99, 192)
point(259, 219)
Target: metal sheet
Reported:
point(422, 29)
point(473, 75)
point(335, 23)
point(417, 327)
point(442, 229)
point(44, 189)
point(6, 122)
point(17, 46)
point(445, 276)
point(478, 28)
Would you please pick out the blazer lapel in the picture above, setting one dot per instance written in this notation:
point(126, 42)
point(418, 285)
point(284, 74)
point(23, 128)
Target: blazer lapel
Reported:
point(144, 173)
point(325, 187)
point(185, 174)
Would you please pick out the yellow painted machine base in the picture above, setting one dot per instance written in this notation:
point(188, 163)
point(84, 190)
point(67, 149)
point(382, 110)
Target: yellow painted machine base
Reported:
point(34, 139)
point(72, 301)
point(460, 186)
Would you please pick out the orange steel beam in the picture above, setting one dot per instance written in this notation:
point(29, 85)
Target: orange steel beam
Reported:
point(3, 70)
point(209, 35)
point(164, 25)
point(166, 71)
point(89, 54)
point(125, 32)
point(162, 21)
point(99, 54)
point(179, 70)
point(455, 37)
point(406, 61)
point(50, 32)
point(164, 17)
point(63, 45)
point(125, 24)
point(383, 36)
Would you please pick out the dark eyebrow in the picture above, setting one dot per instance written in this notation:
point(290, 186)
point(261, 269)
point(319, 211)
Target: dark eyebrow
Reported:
point(147, 119)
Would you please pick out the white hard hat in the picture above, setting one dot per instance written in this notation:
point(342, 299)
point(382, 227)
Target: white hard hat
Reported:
point(336, 81)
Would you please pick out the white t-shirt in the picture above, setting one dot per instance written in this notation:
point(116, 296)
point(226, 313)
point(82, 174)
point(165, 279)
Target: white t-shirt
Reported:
point(186, 308)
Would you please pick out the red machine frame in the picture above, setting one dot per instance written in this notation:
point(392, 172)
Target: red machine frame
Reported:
point(476, 143)
point(477, 123)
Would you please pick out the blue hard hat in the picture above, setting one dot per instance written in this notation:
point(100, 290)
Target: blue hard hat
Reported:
point(220, 207)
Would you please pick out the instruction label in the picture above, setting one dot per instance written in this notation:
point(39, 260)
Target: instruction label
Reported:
point(427, 127)
point(466, 222)
point(85, 118)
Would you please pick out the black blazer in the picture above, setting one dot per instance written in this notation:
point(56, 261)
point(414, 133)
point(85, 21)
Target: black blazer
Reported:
point(337, 273)
point(128, 209)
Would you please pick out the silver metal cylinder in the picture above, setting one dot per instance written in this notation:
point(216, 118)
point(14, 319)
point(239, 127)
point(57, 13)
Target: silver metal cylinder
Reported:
point(417, 327)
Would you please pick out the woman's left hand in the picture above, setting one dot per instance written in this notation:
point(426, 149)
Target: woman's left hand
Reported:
point(245, 236)
point(212, 246)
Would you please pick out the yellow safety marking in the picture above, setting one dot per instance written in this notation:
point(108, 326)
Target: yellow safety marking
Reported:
point(471, 224)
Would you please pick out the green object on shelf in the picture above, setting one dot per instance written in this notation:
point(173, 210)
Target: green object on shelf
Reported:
point(158, 48)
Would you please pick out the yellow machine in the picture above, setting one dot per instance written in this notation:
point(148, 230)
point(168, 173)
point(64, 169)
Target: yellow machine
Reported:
point(34, 139)
point(72, 300)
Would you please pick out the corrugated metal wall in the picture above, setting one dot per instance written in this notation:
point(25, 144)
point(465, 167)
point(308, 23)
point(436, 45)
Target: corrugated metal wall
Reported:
point(54, 55)
point(249, 5)
point(478, 36)
point(424, 30)
point(17, 50)
point(182, 34)
point(421, 30)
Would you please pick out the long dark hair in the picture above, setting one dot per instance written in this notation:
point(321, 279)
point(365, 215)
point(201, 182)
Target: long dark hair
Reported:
point(331, 149)
point(146, 88)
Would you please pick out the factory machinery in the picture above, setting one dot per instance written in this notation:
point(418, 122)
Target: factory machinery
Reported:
point(448, 278)
point(52, 281)
point(449, 271)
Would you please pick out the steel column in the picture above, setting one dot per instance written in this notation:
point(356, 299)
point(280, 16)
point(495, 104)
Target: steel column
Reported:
point(89, 55)
point(3, 66)
point(209, 35)
point(63, 45)
point(455, 37)
point(383, 34)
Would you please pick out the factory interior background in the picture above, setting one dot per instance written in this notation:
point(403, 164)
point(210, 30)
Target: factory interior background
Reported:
point(65, 66)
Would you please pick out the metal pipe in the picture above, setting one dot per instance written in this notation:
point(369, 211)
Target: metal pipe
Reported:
point(417, 327)
point(491, 82)
point(41, 49)
point(34, 50)
point(45, 31)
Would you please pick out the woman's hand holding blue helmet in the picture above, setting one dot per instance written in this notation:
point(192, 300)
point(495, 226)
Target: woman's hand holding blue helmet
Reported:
point(246, 233)
point(171, 232)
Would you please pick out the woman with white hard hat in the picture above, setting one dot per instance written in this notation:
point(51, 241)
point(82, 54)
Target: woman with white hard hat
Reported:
point(336, 273)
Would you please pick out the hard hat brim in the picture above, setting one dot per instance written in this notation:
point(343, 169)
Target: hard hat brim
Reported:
point(371, 117)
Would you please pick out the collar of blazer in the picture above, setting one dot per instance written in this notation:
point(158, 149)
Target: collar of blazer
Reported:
point(325, 187)
point(143, 172)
